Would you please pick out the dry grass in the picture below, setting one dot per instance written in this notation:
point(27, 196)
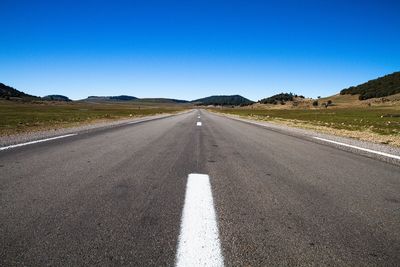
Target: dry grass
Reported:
point(339, 101)
point(378, 122)
point(19, 117)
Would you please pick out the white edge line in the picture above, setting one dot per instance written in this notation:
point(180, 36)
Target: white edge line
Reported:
point(144, 120)
point(133, 122)
point(156, 118)
point(63, 136)
point(199, 243)
point(334, 142)
point(360, 148)
point(36, 141)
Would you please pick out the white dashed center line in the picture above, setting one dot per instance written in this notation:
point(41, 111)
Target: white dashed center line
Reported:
point(198, 123)
point(199, 243)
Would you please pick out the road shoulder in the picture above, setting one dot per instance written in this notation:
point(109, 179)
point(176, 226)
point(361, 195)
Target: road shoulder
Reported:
point(344, 143)
point(38, 135)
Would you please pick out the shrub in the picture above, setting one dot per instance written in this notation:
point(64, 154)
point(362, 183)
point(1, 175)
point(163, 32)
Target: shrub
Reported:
point(315, 103)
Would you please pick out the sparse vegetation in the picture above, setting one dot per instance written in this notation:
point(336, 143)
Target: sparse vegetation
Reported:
point(374, 119)
point(16, 117)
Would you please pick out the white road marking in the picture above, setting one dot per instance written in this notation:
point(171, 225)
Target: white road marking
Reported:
point(338, 143)
point(360, 148)
point(138, 121)
point(198, 123)
point(37, 141)
point(198, 117)
point(199, 243)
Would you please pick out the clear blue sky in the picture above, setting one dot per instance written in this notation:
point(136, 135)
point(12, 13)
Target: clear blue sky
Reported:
point(190, 49)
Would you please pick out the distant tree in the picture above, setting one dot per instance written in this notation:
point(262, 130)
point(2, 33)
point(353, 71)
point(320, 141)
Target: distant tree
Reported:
point(319, 97)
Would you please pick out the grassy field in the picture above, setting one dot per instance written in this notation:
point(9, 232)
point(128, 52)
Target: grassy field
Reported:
point(18, 117)
point(381, 121)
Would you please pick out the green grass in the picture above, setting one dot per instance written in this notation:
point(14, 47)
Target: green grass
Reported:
point(354, 119)
point(18, 117)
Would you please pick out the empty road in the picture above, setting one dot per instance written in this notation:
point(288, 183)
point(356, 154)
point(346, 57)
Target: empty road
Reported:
point(196, 188)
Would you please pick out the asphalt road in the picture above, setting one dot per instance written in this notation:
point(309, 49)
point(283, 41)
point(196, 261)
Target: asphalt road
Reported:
point(115, 197)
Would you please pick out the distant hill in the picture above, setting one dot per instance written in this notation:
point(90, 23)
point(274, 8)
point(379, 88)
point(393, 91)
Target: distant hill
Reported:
point(9, 92)
point(123, 98)
point(111, 98)
point(281, 98)
point(96, 98)
point(162, 100)
point(380, 87)
point(223, 100)
point(135, 99)
point(56, 98)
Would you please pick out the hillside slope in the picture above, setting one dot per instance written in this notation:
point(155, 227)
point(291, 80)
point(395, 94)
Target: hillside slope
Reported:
point(8, 91)
point(380, 87)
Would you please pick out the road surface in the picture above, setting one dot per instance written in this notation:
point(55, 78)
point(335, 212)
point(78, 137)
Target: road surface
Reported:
point(233, 193)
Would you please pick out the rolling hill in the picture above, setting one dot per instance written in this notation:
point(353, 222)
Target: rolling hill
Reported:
point(56, 98)
point(10, 92)
point(223, 100)
point(380, 87)
point(125, 98)
point(162, 100)
point(110, 98)
point(280, 98)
